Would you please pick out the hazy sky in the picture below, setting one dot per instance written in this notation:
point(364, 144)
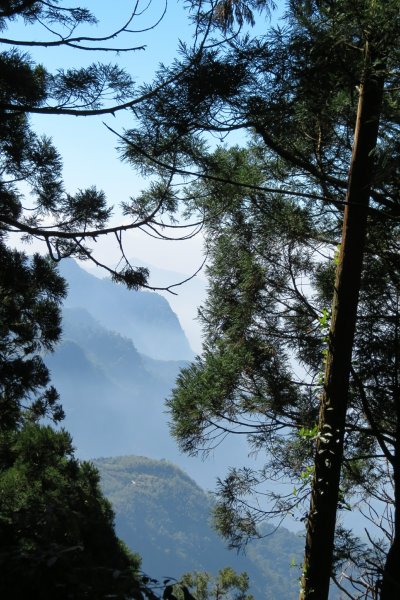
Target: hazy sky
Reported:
point(89, 150)
point(86, 146)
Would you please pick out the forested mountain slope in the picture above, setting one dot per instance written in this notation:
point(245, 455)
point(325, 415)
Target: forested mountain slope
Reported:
point(165, 516)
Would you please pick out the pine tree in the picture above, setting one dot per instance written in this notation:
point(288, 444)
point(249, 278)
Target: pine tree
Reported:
point(56, 529)
point(298, 89)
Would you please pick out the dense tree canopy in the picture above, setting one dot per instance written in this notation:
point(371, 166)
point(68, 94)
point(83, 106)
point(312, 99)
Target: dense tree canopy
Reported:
point(31, 292)
point(320, 97)
point(57, 534)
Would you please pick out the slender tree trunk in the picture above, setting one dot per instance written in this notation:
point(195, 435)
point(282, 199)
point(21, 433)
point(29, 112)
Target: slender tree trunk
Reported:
point(329, 451)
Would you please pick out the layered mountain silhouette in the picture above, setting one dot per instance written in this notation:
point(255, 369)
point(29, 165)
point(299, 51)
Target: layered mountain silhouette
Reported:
point(113, 393)
point(145, 317)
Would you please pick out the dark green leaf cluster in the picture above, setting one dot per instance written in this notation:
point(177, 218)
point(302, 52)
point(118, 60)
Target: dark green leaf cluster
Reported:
point(225, 14)
point(227, 584)
point(57, 535)
point(56, 528)
point(30, 322)
point(49, 13)
point(34, 160)
point(132, 278)
point(87, 88)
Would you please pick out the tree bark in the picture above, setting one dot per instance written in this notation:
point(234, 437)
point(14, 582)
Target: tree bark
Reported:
point(329, 448)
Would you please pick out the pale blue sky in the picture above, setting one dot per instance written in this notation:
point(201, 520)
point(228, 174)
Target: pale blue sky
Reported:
point(88, 148)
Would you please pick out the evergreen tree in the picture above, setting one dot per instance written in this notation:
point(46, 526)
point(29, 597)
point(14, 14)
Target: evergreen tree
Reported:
point(227, 584)
point(56, 529)
point(271, 277)
point(31, 292)
point(321, 96)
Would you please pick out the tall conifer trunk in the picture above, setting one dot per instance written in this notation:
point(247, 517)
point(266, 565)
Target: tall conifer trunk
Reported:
point(329, 451)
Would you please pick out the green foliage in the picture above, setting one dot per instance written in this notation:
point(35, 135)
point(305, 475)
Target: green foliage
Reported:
point(225, 14)
point(32, 10)
point(163, 512)
point(57, 536)
point(31, 291)
point(273, 216)
point(264, 306)
point(256, 318)
point(227, 584)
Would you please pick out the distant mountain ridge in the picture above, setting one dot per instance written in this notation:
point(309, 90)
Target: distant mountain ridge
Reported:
point(143, 316)
point(185, 299)
point(112, 395)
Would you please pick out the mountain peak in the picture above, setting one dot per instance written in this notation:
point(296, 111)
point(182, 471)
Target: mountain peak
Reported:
point(143, 316)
